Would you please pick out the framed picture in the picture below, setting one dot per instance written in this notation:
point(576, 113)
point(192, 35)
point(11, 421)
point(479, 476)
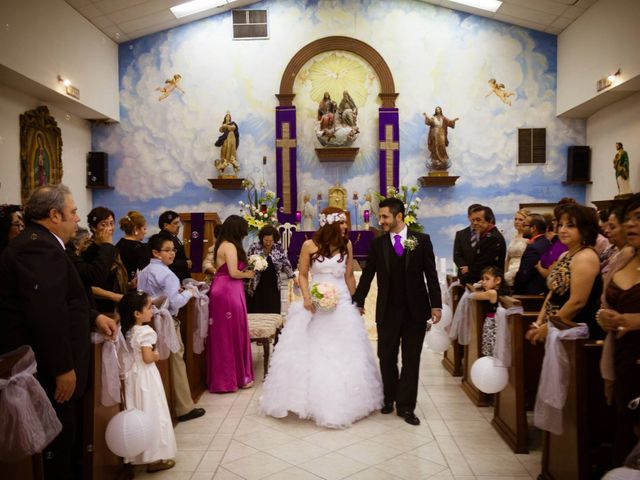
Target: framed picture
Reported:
point(40, 151)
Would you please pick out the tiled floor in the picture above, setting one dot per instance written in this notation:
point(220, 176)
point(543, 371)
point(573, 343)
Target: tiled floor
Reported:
point(454, 441)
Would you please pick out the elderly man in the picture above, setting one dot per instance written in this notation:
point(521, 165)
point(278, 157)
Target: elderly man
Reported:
point(528, 281)
point(490, 248)
point(43, 304)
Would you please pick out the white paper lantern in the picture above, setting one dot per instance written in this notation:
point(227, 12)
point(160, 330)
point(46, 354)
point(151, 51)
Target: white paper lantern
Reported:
point(447, 317)
point(437, 340)
point(487, 376)
point(129, 433)
point(622, 473)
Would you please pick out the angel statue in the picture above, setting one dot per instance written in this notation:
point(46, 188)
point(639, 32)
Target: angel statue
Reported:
point(229, 141)
point(499, 90)
point(336, 124)
point(170, 85)
point(309, 212)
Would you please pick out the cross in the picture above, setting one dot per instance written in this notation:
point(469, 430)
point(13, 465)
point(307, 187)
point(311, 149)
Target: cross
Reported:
point(389, 146)
point(286, 143)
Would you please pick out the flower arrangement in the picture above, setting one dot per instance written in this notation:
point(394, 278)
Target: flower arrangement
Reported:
point(410, 244)
point(411, 206)
point(324, 296)
point(331, 218)
point(258, 263)
point(262, 207)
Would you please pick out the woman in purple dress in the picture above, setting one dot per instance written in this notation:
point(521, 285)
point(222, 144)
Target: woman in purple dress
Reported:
point(229, 364)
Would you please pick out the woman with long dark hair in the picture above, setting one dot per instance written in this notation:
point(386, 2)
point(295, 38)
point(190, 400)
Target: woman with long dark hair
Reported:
point(11, 224)
point(323, 367)
point(229, 364)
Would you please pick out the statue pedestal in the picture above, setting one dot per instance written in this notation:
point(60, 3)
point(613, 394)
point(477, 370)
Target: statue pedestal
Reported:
point(438, 179)
point(337, 154)
point(617, 201)
point(231, 183)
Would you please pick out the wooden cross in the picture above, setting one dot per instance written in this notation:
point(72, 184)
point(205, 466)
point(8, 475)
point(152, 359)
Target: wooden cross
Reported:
point(286, 143)
point(389, 146)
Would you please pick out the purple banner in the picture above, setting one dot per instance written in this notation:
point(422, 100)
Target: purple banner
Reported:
point(389, 136)
point(286, 150)
point(197, 242)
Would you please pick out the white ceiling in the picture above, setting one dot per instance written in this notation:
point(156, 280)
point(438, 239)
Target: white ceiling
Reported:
point(123, 20)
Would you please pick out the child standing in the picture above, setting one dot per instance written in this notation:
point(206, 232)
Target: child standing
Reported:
point(493, 285)
point(157, 280)
point(143, 385)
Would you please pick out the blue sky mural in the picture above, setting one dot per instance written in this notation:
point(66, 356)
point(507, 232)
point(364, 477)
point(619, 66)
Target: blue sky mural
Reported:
point(162, 152)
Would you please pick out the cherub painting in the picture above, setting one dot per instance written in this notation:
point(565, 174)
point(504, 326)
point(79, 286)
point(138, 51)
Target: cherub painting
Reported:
point(499, 90)
point(171, 84)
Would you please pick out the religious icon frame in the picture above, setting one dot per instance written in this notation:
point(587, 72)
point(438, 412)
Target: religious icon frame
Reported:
point(40, 151)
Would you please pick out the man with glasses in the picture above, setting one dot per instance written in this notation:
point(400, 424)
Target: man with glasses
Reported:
point(169, 223)
point(528, 280)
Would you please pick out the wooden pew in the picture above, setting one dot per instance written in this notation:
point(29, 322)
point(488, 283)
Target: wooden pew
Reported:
point(452, 360)
point(195, 363)
point(165, 375)
point(473, 351)
point(511, 404)
point(584, 450)
point(98, 462)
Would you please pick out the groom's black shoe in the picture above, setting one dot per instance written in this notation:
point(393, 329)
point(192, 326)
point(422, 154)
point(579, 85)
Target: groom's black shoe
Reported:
point(410, 418)
point(387, 408)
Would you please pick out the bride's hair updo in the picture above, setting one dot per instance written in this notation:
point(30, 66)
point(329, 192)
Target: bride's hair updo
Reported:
point(329, 237)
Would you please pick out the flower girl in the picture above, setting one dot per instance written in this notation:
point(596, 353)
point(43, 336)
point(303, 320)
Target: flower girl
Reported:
point(143, 385)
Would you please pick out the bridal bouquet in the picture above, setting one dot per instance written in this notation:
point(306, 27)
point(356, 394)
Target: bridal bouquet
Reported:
point(258, 263)
point(324, 296)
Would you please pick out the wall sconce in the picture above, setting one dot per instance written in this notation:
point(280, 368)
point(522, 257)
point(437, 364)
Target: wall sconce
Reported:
point(606, 82)
point(65, 81)
point(613, 76)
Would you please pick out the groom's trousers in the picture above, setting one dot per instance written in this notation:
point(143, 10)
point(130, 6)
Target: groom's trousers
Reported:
point(400, 332)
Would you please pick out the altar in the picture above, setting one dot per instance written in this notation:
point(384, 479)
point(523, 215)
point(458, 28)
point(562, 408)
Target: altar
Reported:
point(360, 239)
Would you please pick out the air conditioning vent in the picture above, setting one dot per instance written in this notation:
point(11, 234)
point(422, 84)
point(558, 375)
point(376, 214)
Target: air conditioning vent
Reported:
point(532, 146)
point(250, 25)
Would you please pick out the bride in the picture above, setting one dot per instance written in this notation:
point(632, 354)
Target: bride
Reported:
point(323, 367)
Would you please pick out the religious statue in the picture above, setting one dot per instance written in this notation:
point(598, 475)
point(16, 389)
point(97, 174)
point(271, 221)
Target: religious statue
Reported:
point(499, 90)
point(336, 125)
point(170, 85)
point(229, 141)
point(338, 197)
point(438, 139)
point(309, 212)
point(621, 166)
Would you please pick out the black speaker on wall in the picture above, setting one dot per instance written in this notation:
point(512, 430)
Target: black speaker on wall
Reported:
point(97, 169)
point(579, 164)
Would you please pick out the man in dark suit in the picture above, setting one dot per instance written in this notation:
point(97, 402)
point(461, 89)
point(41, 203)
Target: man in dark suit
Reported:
point(463, 245)
point(528, 280)
point(169, 223)
point(401, 259)
point(490, 250)
point(43, 305)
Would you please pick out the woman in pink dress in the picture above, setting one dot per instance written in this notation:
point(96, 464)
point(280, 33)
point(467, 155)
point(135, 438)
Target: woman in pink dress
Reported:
point(229, 364)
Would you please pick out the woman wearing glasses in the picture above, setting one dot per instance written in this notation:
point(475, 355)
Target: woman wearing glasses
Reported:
point(11, 224)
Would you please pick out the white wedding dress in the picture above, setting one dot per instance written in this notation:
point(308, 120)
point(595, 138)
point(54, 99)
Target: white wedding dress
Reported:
point(323, 366)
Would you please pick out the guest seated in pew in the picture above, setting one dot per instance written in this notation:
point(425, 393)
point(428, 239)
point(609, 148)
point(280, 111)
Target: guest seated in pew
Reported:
point(265, 296)
point(493, 285)
point(528, 280)
point(620, 317)
point(157, 280)
point(575, 284)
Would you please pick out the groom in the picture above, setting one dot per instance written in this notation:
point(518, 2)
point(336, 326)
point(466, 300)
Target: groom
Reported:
point(401, 260)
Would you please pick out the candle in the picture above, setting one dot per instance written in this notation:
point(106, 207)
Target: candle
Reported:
point(263, 208)
point(298, 216)
point(366, 216)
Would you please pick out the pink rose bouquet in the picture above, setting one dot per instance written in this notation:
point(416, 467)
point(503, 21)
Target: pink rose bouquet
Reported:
point(324, 296)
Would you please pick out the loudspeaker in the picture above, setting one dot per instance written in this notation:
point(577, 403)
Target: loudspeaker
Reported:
point(97, 169)
point(579, 164)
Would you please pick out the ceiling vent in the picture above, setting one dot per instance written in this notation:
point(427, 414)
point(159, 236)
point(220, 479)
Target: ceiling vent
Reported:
point(250, 25)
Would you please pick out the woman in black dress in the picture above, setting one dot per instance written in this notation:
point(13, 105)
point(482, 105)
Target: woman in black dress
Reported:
point(265, 291)
point(133, 252)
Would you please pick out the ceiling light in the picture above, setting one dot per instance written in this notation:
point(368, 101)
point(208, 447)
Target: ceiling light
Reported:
point(490, 5)
point(196, 6)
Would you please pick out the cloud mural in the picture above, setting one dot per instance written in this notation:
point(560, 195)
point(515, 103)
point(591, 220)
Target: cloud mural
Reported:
point(162, 152)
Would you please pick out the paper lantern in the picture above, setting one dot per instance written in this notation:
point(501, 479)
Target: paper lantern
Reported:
point(447, 317)
point(622, 473)
point(437, 340)
point(488, 376)
point(129, 433)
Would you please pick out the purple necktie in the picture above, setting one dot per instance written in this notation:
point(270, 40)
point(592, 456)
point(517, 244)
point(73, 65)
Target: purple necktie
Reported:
point(397, 245)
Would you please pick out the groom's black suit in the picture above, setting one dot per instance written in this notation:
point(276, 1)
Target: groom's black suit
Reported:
point(402, 310)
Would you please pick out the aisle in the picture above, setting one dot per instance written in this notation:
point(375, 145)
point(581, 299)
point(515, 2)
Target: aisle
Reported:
point(454, 441)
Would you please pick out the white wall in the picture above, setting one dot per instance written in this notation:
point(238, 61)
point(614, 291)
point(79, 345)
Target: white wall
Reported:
point(76, 142)
point(619, 122)
point(42, 39)
point(606, 37)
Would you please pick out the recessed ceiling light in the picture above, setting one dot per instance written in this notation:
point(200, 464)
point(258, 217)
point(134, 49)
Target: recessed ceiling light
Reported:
point(490, 5)
point(196, 6)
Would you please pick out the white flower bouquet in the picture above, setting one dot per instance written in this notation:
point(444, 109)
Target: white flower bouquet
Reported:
point(324, 296)
point(258, 263)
